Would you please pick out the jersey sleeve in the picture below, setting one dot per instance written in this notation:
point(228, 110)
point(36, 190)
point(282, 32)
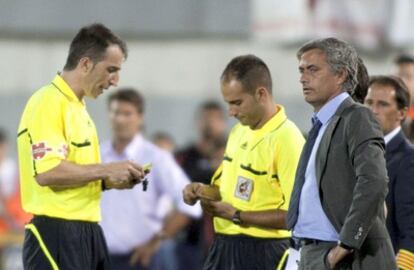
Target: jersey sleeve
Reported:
point(288, 150)
point(46, 131)
point(216, 178)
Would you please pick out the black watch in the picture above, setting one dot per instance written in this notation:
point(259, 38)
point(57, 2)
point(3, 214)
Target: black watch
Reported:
point(236, 218)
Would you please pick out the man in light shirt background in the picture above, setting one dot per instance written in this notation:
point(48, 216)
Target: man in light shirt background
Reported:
point(132, 221)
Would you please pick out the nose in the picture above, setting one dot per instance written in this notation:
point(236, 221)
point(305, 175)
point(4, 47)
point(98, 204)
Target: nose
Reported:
point(373, 108)
point(302, 78)
point(232, 112)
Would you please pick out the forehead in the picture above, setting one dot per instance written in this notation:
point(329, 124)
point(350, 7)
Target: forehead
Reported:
point(113, 56)
point(313, 56)
point(381, 92)
point(232, 89)
point(121, 104)
point(406, 67)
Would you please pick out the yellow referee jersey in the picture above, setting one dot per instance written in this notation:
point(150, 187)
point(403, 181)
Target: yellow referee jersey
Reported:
point(258, 172)
point(55, 126)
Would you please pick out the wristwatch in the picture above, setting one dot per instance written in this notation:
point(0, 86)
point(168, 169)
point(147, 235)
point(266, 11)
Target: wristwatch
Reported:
point(236, 218)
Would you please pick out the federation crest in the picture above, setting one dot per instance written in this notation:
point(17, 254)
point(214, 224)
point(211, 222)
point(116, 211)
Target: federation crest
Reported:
point(39, 150)
point(244, 188)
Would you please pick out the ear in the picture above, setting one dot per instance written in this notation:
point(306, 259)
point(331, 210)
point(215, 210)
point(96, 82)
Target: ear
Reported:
point(85, 64)
point(403, 113)
point(261, 93)
point(341, 77)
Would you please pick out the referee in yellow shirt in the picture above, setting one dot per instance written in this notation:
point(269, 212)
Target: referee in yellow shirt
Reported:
point(61, 175)
point(256, 176)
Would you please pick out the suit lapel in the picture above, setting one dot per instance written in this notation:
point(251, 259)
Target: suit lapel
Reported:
point(393, 145)
point(322, 153)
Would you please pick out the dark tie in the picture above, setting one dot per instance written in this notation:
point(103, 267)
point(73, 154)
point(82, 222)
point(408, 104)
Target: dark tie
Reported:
point(292, 215)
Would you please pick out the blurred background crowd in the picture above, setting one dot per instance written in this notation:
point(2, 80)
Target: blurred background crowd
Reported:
point(177, 51)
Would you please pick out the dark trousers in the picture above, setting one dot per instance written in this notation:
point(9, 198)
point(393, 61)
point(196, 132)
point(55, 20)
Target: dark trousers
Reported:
point(242, 252)
point(313, 257)
point(54, 243)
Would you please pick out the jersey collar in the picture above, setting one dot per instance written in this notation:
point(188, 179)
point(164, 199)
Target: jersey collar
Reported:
point(256, 136)
point(65, 89)
point(273, 123)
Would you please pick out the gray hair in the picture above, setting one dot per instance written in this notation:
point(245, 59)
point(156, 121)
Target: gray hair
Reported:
point(340, 56)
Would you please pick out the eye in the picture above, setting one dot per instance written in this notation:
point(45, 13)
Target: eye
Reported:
point(112, 69)
point(313, 69)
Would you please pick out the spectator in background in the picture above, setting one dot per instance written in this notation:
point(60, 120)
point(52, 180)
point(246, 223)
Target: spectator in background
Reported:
point(199, 160)
point(164, 141)
point(388, 98)
point(405, 70)
point(132, 222)
point(12, 216)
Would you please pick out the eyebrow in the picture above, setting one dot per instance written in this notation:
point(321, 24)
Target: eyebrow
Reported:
point(233, 101)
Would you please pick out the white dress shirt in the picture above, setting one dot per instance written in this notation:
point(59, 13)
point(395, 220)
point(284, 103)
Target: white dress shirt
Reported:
point(391, 135)
point(132, 217)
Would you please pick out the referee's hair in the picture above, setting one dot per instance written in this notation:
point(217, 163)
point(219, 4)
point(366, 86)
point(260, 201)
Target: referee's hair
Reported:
point(129, 95)
point(250, 71)
point(92, 41)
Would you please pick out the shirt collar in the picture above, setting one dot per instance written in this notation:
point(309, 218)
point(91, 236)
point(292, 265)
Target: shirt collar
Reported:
point(65, 89)
point(329, 109)
point(391, 135)
point(131, 149)
point(278, 119)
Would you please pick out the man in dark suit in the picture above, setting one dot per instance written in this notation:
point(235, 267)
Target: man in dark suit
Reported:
point(337, 206)
point(389, 99)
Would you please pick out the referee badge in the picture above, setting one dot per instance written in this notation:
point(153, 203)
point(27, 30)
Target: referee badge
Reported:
point(244, 188)
point(39, 150)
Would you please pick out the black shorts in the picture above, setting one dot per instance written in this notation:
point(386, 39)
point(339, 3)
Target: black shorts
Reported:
point(54, 243)
point(242, 252)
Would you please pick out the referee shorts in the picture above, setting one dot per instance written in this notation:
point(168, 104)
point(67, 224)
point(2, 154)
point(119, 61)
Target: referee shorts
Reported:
point(54, 243)
point(242, 252)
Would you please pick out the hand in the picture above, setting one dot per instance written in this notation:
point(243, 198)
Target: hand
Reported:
point(218, 209)
point(121, 175)
point(143, 254)
point(336, 255)
point(190, 193)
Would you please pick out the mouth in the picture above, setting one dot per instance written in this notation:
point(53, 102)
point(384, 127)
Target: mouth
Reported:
point(307, 90)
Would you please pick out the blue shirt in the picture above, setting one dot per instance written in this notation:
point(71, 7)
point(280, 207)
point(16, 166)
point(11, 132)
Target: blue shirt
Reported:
point(312, 221)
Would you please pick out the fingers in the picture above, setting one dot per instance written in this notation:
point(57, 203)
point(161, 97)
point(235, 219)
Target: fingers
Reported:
point(207, 206)
point(138, 168)
point(190, 194)
point(135, 175)
point(135, 257)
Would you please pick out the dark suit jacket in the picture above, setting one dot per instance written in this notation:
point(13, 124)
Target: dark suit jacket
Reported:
point(400, 199)
point(352, 178)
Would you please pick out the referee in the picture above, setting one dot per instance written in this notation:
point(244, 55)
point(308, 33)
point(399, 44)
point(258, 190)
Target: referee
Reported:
point(61, 175)
point(256, 176)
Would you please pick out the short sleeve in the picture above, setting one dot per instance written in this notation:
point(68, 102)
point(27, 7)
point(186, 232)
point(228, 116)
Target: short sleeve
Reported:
point(46, 129)
point(288, 151)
